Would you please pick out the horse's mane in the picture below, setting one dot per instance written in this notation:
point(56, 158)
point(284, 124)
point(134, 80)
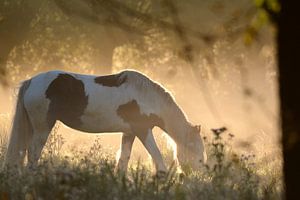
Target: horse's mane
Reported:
point(144, 83)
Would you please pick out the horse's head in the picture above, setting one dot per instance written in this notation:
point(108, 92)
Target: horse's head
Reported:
point(191, 150)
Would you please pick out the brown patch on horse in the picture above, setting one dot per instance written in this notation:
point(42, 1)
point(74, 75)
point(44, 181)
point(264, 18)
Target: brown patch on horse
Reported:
point(67, 100)
point(114, 80)
point(131, 114)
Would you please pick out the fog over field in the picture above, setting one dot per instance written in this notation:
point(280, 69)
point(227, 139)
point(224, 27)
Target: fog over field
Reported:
point(216, 58)
point(241, 98)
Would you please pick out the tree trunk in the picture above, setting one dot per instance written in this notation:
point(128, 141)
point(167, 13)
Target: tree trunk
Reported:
point(289, 65)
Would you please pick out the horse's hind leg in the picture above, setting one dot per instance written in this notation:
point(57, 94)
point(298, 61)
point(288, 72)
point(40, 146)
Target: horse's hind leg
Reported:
point(125, 151)
point(39, 139)
point(148, 141)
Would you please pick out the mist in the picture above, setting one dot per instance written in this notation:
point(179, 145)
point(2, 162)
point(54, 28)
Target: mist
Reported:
point(231, 82)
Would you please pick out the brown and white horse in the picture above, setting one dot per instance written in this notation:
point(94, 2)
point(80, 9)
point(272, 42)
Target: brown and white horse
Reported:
point(127, 102)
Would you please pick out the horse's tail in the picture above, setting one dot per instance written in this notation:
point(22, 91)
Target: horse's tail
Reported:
point(21, 131)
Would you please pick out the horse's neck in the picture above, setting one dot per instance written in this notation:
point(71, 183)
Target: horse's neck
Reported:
point(176, 124)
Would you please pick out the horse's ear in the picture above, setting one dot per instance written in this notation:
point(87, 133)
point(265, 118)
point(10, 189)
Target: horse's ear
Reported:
point(198, 127)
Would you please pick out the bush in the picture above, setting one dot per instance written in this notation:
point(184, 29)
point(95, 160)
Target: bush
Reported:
point(90, 175)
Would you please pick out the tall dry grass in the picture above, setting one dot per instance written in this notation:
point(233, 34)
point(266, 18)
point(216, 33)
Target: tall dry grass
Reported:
point(90, 175)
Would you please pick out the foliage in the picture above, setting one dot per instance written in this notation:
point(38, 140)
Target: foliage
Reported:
point(53, 42)
point(267, 13)
point(90, 175)
point(58, 40)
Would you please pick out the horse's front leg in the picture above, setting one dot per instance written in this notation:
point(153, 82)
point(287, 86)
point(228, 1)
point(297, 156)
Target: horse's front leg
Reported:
point(148, 141)
point(125, 151)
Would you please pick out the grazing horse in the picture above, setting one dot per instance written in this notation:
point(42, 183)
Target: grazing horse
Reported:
point(127, 102)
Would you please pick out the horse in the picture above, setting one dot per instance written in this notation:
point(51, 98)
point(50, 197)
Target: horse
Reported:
point(128, 102)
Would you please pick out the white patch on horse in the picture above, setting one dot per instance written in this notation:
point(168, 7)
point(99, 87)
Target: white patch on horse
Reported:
point(100, 114)
point(35, 101)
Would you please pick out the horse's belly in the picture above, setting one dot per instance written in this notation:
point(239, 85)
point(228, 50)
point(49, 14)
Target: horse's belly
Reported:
point(102, 124)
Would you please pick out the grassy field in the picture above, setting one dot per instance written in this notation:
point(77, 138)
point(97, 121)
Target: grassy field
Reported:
point(90, 175)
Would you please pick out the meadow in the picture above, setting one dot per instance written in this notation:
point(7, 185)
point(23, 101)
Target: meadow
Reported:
point(90, 175)
point(232, 82)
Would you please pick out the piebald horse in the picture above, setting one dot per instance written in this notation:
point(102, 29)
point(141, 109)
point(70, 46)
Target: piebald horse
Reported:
point(127, 102)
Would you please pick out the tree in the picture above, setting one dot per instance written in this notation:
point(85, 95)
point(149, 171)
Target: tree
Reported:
point(15, 19)
point(116, 23)
point(289, 63)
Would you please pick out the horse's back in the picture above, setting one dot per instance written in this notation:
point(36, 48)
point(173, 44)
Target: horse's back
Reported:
point(89, 103)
